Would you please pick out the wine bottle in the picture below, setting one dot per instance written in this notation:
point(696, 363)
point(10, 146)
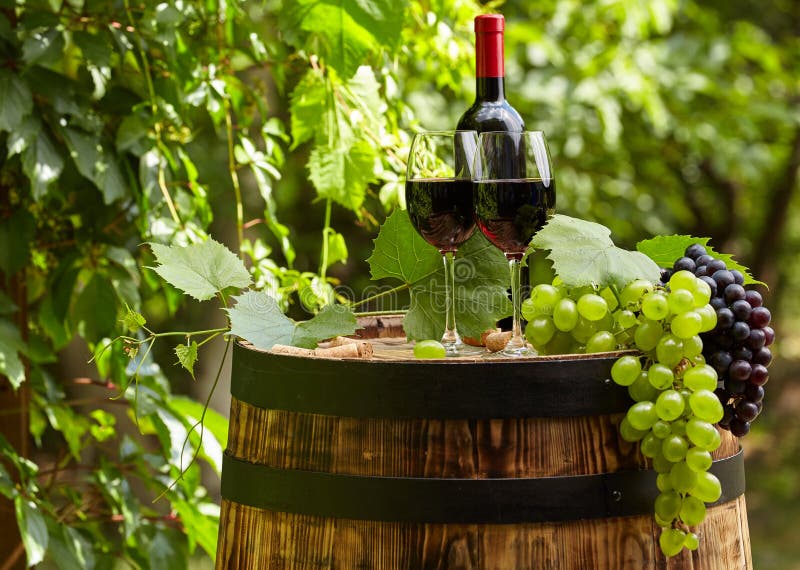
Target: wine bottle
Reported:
point(490, 111)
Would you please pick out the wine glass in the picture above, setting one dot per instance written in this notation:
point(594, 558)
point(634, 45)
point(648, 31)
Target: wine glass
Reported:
point(514, 194)
point(439, 200)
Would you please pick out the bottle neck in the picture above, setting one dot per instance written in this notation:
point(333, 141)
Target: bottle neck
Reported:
point(490, 68)
point(490, 88)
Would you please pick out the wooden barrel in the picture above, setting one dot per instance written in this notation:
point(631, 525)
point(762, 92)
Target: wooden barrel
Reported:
point(397, 464)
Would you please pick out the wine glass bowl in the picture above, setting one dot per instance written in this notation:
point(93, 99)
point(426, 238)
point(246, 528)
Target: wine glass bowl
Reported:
point(439, 186)
point(514, 195)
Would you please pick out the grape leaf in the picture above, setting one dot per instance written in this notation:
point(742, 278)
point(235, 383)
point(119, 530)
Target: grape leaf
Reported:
point(309, 105)
point(187, 356)
point(95, 311)
point(96, 163)
point(481, 273)
point(32, 529)
point(342, 173)
point(202, 269)
point(7, 487)
point(665, 250)
point(10, 345)
point(583, 253)
point(331, 321)
point(133, 321)
point(15, 100)
point(344, 32)
point(258, 319)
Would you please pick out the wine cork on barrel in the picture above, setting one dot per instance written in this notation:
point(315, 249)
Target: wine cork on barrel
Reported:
point(339, 347)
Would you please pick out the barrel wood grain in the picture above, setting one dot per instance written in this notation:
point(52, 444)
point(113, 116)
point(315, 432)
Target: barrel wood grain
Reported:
point(253, 538)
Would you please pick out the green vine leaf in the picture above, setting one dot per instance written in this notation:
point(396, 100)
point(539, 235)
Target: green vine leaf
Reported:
point(481, 273)
point(258, 319)
point(583, 253)
point(16, 101)
point(664, 250)
point(133, 321)
point(187, 356)
point(32, 529)
point(342, 173)
point(345, 32)
point(10, 345)
point(7, 488)
point(201, 270)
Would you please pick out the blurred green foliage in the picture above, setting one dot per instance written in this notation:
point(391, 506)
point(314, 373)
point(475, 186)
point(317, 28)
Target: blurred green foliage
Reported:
point(283, 126)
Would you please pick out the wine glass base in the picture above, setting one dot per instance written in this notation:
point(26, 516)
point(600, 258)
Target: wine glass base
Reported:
point(459, 348)
point(518, 352)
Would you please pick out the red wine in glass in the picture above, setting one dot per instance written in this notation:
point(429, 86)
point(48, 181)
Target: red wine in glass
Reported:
point(441, 211)
point(509, 212)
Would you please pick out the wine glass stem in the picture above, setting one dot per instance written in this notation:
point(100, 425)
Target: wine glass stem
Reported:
point(516, 330)
point(450, 337)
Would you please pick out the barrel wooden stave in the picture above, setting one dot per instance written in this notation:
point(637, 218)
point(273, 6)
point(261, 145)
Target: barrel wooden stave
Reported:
point(286, 541)
point(258, 538)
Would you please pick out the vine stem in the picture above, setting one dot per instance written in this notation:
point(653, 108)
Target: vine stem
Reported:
point(378, 313)
point(402, 287)
point(323, 262)
point(148, 76)
point(237, 189)
point(199, 422)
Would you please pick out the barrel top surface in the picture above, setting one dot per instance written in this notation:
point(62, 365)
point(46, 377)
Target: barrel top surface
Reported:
point(394, 384)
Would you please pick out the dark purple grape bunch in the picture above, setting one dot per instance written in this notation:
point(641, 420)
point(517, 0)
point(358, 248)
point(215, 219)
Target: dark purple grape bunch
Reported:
point(738, 348)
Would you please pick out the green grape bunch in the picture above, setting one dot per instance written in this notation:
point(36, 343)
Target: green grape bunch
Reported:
point(675, 407)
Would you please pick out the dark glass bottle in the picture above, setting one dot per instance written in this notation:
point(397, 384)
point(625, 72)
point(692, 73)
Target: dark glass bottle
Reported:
point(490, 111)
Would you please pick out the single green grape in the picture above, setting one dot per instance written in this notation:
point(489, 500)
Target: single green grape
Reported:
point(641, 390)
point(698, 459)
point(583, 330)
point(660, 376)
point(674, 448)
point(707, 488)
point(708, 318)
point(662, 465)
point(701, 293)
point(655, 306)
point(661, 429)
point(626, 370)
point(686, 325)
point(565, 315)
point(671, 541)
point(683, 478)
point(702, 434)
point(692, 542)
point(544, 298)
point(682, 280)
point(647, 335)
point(693, 511)
point(669, 350)
point(680, 301)
point(692, 347)
point(528, 310)
point(669, 405)
point(663, 482)
point(626, 319)
point(650, 445)
point(633, 292)
point(678, 427)
point(540, 330)
point(601, 341)
point(629, 433)
point(706, 406)
point(668, 505)
point(700, 378)
point(642, 415)
point(592, 307)
point(429, 349)
point(561, 343)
